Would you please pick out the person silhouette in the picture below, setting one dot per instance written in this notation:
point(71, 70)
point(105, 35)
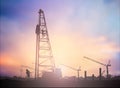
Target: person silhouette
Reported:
point(28, 73)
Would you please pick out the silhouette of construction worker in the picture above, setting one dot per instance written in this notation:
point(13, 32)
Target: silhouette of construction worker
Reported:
point(28, 73)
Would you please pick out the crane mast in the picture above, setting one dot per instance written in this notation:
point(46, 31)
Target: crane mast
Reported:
point(44, 55)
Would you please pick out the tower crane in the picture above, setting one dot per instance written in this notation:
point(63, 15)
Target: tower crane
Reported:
point(73, 69)
point(44, 55)
point(106, 65)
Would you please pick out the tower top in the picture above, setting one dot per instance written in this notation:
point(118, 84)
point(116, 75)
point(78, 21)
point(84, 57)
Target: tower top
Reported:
point(40, 11)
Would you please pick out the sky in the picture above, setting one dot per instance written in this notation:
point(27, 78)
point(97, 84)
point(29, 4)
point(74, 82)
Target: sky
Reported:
point(77, 28)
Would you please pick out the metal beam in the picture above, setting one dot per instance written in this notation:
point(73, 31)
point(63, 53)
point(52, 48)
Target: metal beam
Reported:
point(94, 60)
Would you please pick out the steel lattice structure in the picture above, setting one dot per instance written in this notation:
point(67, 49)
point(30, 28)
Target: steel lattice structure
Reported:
point(44, 57)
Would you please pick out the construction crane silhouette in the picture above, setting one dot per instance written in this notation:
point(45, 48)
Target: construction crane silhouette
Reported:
point(106, 65)
point(73, 69)
point(44, 56)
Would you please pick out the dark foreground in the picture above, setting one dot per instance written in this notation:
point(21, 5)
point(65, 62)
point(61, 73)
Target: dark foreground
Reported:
point(59, 83)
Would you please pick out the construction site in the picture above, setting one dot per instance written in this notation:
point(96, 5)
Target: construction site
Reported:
point(46, 74)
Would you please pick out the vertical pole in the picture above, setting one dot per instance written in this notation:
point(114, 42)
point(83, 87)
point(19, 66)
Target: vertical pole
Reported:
point(38, 57)
point(37, 52)
point(100, 70)
point(36, 60)
point(37, 48)
point(93, 76)
point(107, 70)
point(85, 74)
